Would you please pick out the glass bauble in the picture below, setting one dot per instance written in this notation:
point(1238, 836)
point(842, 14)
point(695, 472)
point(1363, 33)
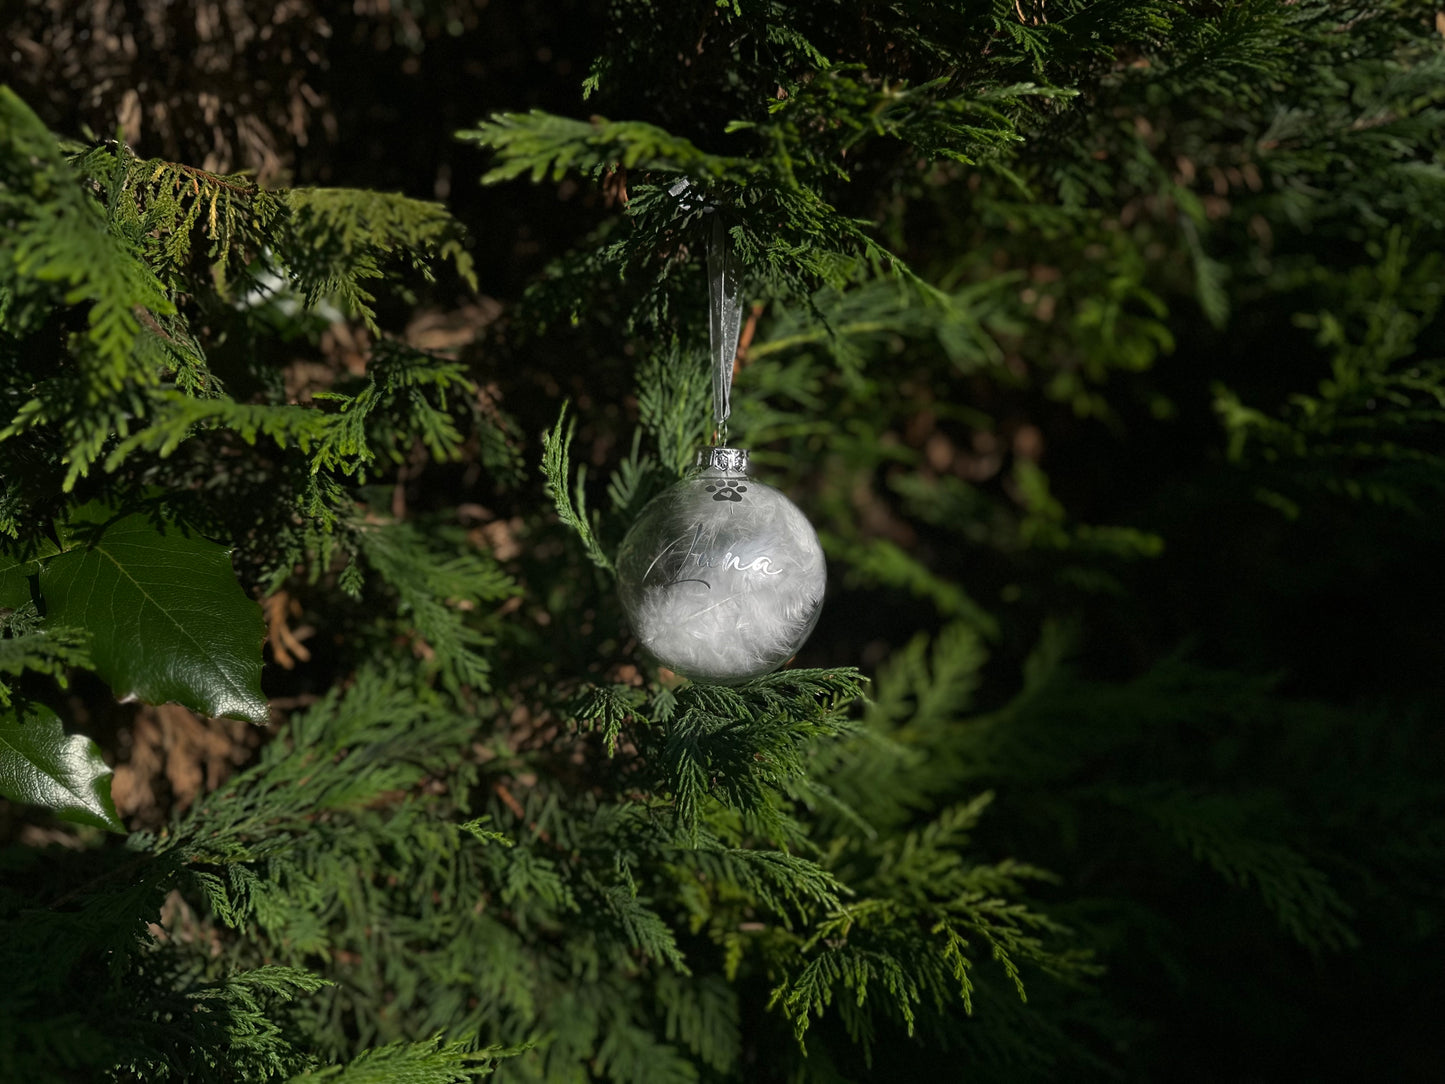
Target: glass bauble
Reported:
point(721, 576)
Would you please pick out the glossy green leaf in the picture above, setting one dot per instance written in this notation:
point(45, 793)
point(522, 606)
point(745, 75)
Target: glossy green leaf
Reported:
point(14, 586)
point(42, 765)
point(166, 617)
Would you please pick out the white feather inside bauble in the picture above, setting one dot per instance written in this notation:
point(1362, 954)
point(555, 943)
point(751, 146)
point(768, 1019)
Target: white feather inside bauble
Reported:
point(722, 576)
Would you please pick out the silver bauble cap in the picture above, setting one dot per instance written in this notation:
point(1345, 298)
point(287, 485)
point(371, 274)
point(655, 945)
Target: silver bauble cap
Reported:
point(720, 460)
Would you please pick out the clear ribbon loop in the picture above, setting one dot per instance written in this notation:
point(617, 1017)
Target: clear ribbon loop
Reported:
point(725, 310)
point(725, 320)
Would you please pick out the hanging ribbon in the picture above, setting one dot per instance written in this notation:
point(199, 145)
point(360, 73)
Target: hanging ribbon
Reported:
point(725, 311)
point(725, 321)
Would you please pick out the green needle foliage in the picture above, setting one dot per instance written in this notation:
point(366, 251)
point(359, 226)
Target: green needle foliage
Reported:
point(1098, 339)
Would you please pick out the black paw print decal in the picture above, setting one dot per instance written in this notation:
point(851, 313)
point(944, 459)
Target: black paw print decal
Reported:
point(727, 492)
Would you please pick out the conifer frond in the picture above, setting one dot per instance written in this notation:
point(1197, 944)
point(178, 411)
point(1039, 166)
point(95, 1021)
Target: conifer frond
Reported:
point(674, 405)
point(1242, 835)
point(789, 232)
point(606, 709)
point(57, 244)
point(854, 324)
point(629, 1054)
point(642, 927)
point(702, 1015)
point(435, 592)
point(341, 239)
point(884, 563)
point(924, 116)
point(431, 1061)
point(571, 510)
point(403, 397)
point(1217, 830)
point(744, 747)
point(238, 1011)
point(914, 731)
point(637, 479)
point(165, 207)
point(337, 438)
point(50, 650)
point(1370, 431)
point(784, 883)
point(542, 145)
point(379, 736)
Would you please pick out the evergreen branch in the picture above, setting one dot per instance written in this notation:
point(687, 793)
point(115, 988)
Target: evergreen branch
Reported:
point(674, 404)
point(1217, 830)
point(744, 747)
point(879, 561)
point(45, 650)
point(381, 736)
point(55, 233)
point(332, 440)
point(702, 1014)
point(571, 510)
point(540, 144)
point(340, 238)
point(162, 207)
point(403, 398)
point(607, 709)
point(432, 1061)
point(436, 593)
point(925, 116)
point(779, 881)
point(642, 927)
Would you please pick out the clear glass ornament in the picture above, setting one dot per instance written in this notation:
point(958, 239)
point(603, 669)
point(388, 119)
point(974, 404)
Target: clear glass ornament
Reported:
point(721, 576)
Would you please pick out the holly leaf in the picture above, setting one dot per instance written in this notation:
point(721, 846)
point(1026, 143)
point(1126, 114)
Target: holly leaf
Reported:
point(166, 617)
point(42, 765)
point(14, 582)
point(16, 568)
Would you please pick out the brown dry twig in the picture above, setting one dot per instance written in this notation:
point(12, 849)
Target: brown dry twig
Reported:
point(286, 645)
point(175, 757)
point(745, 340)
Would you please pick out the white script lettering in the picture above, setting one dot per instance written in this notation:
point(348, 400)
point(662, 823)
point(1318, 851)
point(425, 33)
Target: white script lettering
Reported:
point(757, 564)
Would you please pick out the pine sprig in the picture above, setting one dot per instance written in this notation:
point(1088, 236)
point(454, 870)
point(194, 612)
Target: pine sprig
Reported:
point(432, 1061)
point(51, 651)
point(570, 500)
point(58, 246)
point(341, 239)
point(435, 593)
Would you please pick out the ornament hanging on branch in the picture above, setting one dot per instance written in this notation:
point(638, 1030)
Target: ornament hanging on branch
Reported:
point(721, 576)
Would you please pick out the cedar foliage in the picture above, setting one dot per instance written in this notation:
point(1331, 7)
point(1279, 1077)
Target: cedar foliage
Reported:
point(1100, 341)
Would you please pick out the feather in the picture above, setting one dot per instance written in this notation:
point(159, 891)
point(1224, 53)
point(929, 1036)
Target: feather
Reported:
point(722, 578)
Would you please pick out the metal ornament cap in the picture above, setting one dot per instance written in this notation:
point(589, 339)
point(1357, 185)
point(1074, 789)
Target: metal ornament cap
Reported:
point(722, 576)
point(716, 459)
